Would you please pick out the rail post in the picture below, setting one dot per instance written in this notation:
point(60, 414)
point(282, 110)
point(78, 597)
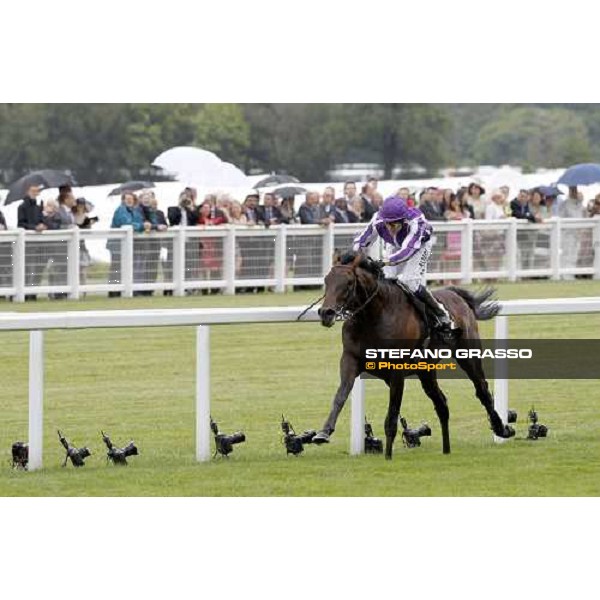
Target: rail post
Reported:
point(555, 244)
point(36, 399)
point(127, 262)
point(73, 268)
point(202, 393)
point(328, 248)
point(501, 374)
point(512, 249)
point(280, 267)
point(596, 242)
point(179, 262)
point(357, 418)
point(466, 251)
point(229, 261)
point(19, 266)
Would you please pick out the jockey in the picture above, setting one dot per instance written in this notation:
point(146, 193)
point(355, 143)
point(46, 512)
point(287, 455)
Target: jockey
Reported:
point(408, 232)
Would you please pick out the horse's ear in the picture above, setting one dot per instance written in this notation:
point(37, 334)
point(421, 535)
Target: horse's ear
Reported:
point(337, 257)
point(357, 260)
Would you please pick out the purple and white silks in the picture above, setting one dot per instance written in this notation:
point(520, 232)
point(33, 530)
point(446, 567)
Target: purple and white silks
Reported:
point(415, 230)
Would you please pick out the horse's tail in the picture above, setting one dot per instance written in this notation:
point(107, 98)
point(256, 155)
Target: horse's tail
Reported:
point(482, 303)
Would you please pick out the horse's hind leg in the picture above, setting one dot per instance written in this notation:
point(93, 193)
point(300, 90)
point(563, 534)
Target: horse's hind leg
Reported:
point(391, 419)
point(348, 373)
point(474, 369)
point(430, 386)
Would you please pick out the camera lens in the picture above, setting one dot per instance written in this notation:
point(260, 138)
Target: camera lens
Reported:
point(307, 436)
point(130, 450)
point(424, 430)
point(237, 438)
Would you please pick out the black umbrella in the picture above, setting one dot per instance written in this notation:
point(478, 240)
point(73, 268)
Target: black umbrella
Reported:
point(46, 178)
point(275, 180)
point(131, 186)
point(289, 190)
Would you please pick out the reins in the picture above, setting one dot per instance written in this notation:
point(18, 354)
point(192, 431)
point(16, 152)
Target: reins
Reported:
point(366, 301)
point(343, 311)
point(309, 307)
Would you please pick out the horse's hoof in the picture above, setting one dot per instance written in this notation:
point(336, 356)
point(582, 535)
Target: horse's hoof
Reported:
point(388, 457)
point(321, 438)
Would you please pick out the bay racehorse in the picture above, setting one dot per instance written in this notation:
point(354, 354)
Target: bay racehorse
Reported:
point(378, 310)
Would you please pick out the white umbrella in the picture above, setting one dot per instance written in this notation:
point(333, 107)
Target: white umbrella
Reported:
point(186, 160)
point(233, 176)
point(200, 167)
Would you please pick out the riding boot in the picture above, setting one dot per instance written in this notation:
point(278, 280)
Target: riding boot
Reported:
point(444, 321)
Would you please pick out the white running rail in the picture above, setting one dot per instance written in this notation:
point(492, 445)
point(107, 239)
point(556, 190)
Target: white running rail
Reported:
point(37, 323)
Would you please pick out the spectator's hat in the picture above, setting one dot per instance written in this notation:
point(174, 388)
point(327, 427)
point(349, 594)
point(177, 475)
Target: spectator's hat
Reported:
point(476, 183)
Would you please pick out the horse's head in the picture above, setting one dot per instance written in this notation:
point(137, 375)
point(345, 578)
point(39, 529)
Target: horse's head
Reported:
point(343, 284)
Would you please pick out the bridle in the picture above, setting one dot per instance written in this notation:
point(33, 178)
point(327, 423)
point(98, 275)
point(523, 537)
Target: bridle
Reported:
point(343, 310)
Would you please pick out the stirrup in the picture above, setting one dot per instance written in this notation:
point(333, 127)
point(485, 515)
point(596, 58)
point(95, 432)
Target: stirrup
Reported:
point(448, 325)
point(446, 332)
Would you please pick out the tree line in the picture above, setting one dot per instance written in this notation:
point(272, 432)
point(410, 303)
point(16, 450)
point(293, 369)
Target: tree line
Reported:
point(102, 143)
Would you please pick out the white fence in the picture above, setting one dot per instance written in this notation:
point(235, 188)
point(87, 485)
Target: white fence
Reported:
point(36, 323)
point(280, 257)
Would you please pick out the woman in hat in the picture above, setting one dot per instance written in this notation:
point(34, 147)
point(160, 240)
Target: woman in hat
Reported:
point(407, 233)
point(476, 198)
point(478, 203)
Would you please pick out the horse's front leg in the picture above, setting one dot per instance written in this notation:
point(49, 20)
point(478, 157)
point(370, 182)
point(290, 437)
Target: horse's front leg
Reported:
point(348, 373)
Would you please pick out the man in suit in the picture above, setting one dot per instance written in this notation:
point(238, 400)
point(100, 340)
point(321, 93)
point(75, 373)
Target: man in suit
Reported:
point(185, 214)
point(519, 207)
point(341, 214)
point(31, 218)
point(328, 203)
point(366, 196)
point(431, 204)
point(526, 240)
point(350, 191)
point(310, 212)
point(271, 212)
point(254, 213)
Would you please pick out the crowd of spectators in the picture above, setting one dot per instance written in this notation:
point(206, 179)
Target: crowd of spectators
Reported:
point(204, 259)
point(64, 212)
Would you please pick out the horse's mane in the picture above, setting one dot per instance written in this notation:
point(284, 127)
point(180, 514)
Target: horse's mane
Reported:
point(386, 286)
point(366, 263)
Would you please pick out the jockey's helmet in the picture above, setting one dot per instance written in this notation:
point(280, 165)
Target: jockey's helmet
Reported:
point(393, 209)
